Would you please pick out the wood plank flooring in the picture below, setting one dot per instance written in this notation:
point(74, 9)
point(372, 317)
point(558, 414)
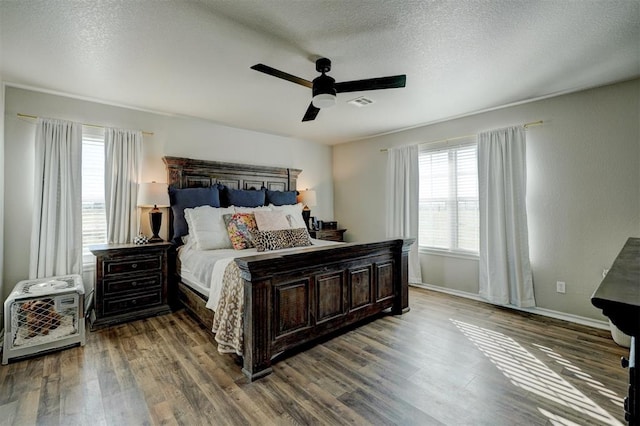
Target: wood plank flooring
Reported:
point(449, 361)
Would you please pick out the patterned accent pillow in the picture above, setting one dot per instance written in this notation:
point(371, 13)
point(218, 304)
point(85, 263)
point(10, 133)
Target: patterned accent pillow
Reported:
point(281, 239)
point(239, 227)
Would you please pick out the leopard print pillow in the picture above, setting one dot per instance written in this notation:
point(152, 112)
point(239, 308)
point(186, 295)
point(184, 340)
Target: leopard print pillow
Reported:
point(280, 239)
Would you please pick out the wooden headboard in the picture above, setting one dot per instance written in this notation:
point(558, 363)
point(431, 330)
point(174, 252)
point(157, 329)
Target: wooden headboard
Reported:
point(190, 173)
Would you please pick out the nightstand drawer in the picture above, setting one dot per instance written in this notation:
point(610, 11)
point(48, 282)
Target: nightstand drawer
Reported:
point(132, 302)
point(132, 283)
point(328, 234)
point(132, 264)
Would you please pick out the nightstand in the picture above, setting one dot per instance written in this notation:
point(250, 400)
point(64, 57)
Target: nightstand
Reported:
point(328, 234)
point(131, 282)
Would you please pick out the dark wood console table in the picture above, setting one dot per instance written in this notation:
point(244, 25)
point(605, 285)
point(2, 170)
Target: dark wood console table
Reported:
point(618, 295)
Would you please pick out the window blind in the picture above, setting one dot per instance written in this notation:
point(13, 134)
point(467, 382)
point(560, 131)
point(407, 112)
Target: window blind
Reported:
point(448, 217)
point(94, 222)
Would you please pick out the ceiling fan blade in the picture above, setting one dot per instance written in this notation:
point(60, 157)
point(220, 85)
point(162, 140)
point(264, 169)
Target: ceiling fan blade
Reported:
point(311, 113)
point(281, 74)
point(391, 82)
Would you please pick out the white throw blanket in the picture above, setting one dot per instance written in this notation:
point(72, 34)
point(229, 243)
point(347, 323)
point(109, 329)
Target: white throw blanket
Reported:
point(215, 287)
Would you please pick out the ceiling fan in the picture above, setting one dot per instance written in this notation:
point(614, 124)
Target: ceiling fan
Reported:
point(325, 88)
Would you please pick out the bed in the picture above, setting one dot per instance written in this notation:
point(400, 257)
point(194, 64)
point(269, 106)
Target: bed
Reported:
point(293, 297)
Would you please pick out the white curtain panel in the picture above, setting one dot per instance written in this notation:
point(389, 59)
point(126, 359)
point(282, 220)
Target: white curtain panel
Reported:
point(505, 270)
point(123, 162)
point(56, 231)
point(402, 201)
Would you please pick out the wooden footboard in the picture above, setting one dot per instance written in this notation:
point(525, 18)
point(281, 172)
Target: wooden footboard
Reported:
point(291, 299)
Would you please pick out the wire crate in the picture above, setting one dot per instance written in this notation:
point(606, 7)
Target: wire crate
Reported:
point(43, 314)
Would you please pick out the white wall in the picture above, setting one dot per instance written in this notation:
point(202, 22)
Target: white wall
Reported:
point(583, 199)
point(172, 135)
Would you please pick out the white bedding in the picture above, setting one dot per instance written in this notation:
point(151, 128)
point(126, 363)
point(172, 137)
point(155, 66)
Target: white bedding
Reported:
point(203, 269)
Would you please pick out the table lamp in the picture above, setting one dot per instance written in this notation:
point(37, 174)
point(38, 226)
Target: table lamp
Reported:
point(154, 194)
point(308, 198)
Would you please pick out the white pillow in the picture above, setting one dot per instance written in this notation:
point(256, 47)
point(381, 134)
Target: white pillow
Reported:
point(250, 209)
point(207, 227)
point(271, 220)
point(188, 243)
point(293, 210)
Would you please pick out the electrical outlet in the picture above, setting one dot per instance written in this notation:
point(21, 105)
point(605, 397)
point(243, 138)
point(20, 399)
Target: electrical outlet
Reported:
point(561, 287)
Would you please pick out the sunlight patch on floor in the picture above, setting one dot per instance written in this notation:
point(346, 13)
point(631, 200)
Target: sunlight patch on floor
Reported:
point(557, 420)
point(529, 373)
point(577, 372)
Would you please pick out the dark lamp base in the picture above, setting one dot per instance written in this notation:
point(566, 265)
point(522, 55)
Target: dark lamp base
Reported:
point(155, 217)
point(306, 214)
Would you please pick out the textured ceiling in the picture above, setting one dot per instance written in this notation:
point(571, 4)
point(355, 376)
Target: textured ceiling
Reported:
point(193, 58)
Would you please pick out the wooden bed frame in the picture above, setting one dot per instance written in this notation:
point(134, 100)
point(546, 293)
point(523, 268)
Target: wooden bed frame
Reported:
point(294, 298)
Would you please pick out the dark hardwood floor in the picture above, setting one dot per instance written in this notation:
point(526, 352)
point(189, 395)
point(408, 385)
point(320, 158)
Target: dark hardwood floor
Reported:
point(448, 361)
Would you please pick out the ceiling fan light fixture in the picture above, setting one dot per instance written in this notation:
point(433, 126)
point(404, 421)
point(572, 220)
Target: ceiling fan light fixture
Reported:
point(324, 100)
point(324, 92)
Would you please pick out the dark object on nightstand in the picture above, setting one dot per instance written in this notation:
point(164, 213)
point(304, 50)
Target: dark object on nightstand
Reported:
point(328, 234)
point(329, 224)
point(131, 282)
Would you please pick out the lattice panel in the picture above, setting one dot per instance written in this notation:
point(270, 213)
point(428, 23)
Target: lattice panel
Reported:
point(36, 321)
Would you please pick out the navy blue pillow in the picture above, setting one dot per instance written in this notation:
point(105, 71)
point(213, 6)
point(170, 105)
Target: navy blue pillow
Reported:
point(281, 198)
point(189, 198)
point(245, 197)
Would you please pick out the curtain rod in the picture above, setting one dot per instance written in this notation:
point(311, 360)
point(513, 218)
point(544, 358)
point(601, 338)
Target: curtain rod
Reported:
point(35, 117)
point(526, 125)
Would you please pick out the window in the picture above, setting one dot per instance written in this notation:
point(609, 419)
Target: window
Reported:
point(448, 217)
point(94, 218)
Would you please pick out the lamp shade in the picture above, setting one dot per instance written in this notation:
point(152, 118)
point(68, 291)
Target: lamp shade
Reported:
point(308, 197)
point(153, 194)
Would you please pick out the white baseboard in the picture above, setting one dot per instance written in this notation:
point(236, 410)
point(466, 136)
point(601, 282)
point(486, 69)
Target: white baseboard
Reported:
point(603, 325)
